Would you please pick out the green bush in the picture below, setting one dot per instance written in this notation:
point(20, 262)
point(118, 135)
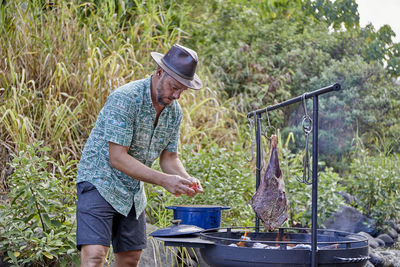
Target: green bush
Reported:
point(37, 224)
point(375, 182)
point(367, 103)
point(226, 178)
point(300, 195)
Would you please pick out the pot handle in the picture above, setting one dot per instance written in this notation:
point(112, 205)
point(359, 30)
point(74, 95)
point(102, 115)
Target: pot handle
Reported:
point(176, 222)
point(353, 259)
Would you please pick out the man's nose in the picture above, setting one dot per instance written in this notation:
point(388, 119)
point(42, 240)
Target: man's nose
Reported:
point(177, 94)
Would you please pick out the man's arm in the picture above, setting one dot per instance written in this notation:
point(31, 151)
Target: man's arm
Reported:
point(170, 163)
point(173, 182)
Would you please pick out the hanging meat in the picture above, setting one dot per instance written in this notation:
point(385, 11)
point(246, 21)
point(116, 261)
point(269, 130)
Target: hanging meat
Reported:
point(269, 202)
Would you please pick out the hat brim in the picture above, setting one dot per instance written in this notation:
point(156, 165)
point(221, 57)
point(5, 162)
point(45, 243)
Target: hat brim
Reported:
point(193, 84)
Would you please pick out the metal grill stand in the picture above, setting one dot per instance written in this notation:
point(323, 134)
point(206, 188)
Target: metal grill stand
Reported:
point(257, 114)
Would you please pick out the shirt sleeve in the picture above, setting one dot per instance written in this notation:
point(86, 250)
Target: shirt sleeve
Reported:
point(119, 114)
point(174, 140)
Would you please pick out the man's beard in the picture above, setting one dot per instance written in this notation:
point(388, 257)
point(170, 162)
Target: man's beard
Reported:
point(160, 96)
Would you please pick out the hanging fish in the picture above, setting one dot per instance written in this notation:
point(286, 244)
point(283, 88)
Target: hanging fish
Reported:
point(269, 202)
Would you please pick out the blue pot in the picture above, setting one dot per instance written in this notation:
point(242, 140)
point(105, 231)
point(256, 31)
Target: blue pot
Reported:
point(204, 216)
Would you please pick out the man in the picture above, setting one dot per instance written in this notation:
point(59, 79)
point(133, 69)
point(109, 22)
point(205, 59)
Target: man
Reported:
point(139, 123)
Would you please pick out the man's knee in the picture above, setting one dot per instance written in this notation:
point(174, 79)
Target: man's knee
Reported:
point(128, 258)
point(93, 255)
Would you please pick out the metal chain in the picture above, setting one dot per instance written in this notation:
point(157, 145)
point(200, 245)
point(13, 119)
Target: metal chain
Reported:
point(268, 127)
point(307, 129)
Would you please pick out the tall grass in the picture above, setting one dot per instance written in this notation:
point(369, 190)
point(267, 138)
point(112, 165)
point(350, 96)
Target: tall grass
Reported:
point(60, 62)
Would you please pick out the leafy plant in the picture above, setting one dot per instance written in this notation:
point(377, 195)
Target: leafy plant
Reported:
point(300, 195)
point(226, 178)
point(36, 226)
point(375, 182)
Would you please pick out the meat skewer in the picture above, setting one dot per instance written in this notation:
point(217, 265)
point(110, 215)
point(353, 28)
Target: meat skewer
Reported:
point(269, 202)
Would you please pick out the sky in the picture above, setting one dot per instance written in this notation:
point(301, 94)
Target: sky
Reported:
point(379, 13)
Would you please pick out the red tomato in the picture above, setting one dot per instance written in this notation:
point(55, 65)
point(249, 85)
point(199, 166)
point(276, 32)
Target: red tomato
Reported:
point(194, 186)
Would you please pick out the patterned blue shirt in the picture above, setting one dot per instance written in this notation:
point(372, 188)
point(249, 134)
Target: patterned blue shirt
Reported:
point(128, 119)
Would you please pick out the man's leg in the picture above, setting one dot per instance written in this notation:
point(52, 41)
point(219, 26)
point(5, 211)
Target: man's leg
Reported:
point(129, 238)
point(128, 258)
point(93, 255)
point(94, 225)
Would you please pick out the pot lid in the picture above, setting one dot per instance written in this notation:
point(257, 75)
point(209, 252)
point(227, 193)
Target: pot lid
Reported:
point(177, 229)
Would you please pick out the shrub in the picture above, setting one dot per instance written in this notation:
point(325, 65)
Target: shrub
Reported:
point(375, 182)
point(36, 226)
point(300, 195)
point(226, 178)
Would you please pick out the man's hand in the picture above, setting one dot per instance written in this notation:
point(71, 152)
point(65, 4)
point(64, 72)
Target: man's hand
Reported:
point(170, 163)
point(196, 186)
point(178, 185)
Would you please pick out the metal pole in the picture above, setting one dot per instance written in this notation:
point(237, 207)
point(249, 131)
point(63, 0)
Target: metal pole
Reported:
point(314, 248)
point(334, 87)
point(258, 161)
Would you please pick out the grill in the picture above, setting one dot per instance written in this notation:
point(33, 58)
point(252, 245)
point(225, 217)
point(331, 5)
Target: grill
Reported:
point(285, 247)
point(297, 247)
point(289, 247)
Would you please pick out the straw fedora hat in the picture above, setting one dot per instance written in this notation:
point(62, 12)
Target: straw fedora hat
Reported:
point(180, 62)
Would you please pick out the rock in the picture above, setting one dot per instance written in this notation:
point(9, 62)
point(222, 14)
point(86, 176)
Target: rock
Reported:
point(371, 241)
point(390, 258)
point(395, 226)
point(349, 219)
point(376, 259)
point(156, 254)
point(393, 233)
point(380, 242)
point(349, 199)
point(387, 239)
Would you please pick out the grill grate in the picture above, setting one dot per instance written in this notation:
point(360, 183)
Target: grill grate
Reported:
point(284, 238)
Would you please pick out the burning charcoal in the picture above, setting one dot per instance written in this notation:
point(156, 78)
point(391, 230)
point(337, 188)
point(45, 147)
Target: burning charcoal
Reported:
point(270, 202)
point(244, 238)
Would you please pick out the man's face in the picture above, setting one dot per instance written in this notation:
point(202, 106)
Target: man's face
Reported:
point(168, 89)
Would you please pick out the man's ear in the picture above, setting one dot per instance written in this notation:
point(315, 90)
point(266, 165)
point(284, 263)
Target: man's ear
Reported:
point(159, 71)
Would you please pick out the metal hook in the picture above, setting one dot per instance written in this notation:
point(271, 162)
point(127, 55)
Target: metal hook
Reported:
point(252, 123)
point(307, 128)
point(306, 165)
point(269, 126)
point(306, 121)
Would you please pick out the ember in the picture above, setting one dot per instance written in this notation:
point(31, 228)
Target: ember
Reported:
point(284, 238)
point(244, 237)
